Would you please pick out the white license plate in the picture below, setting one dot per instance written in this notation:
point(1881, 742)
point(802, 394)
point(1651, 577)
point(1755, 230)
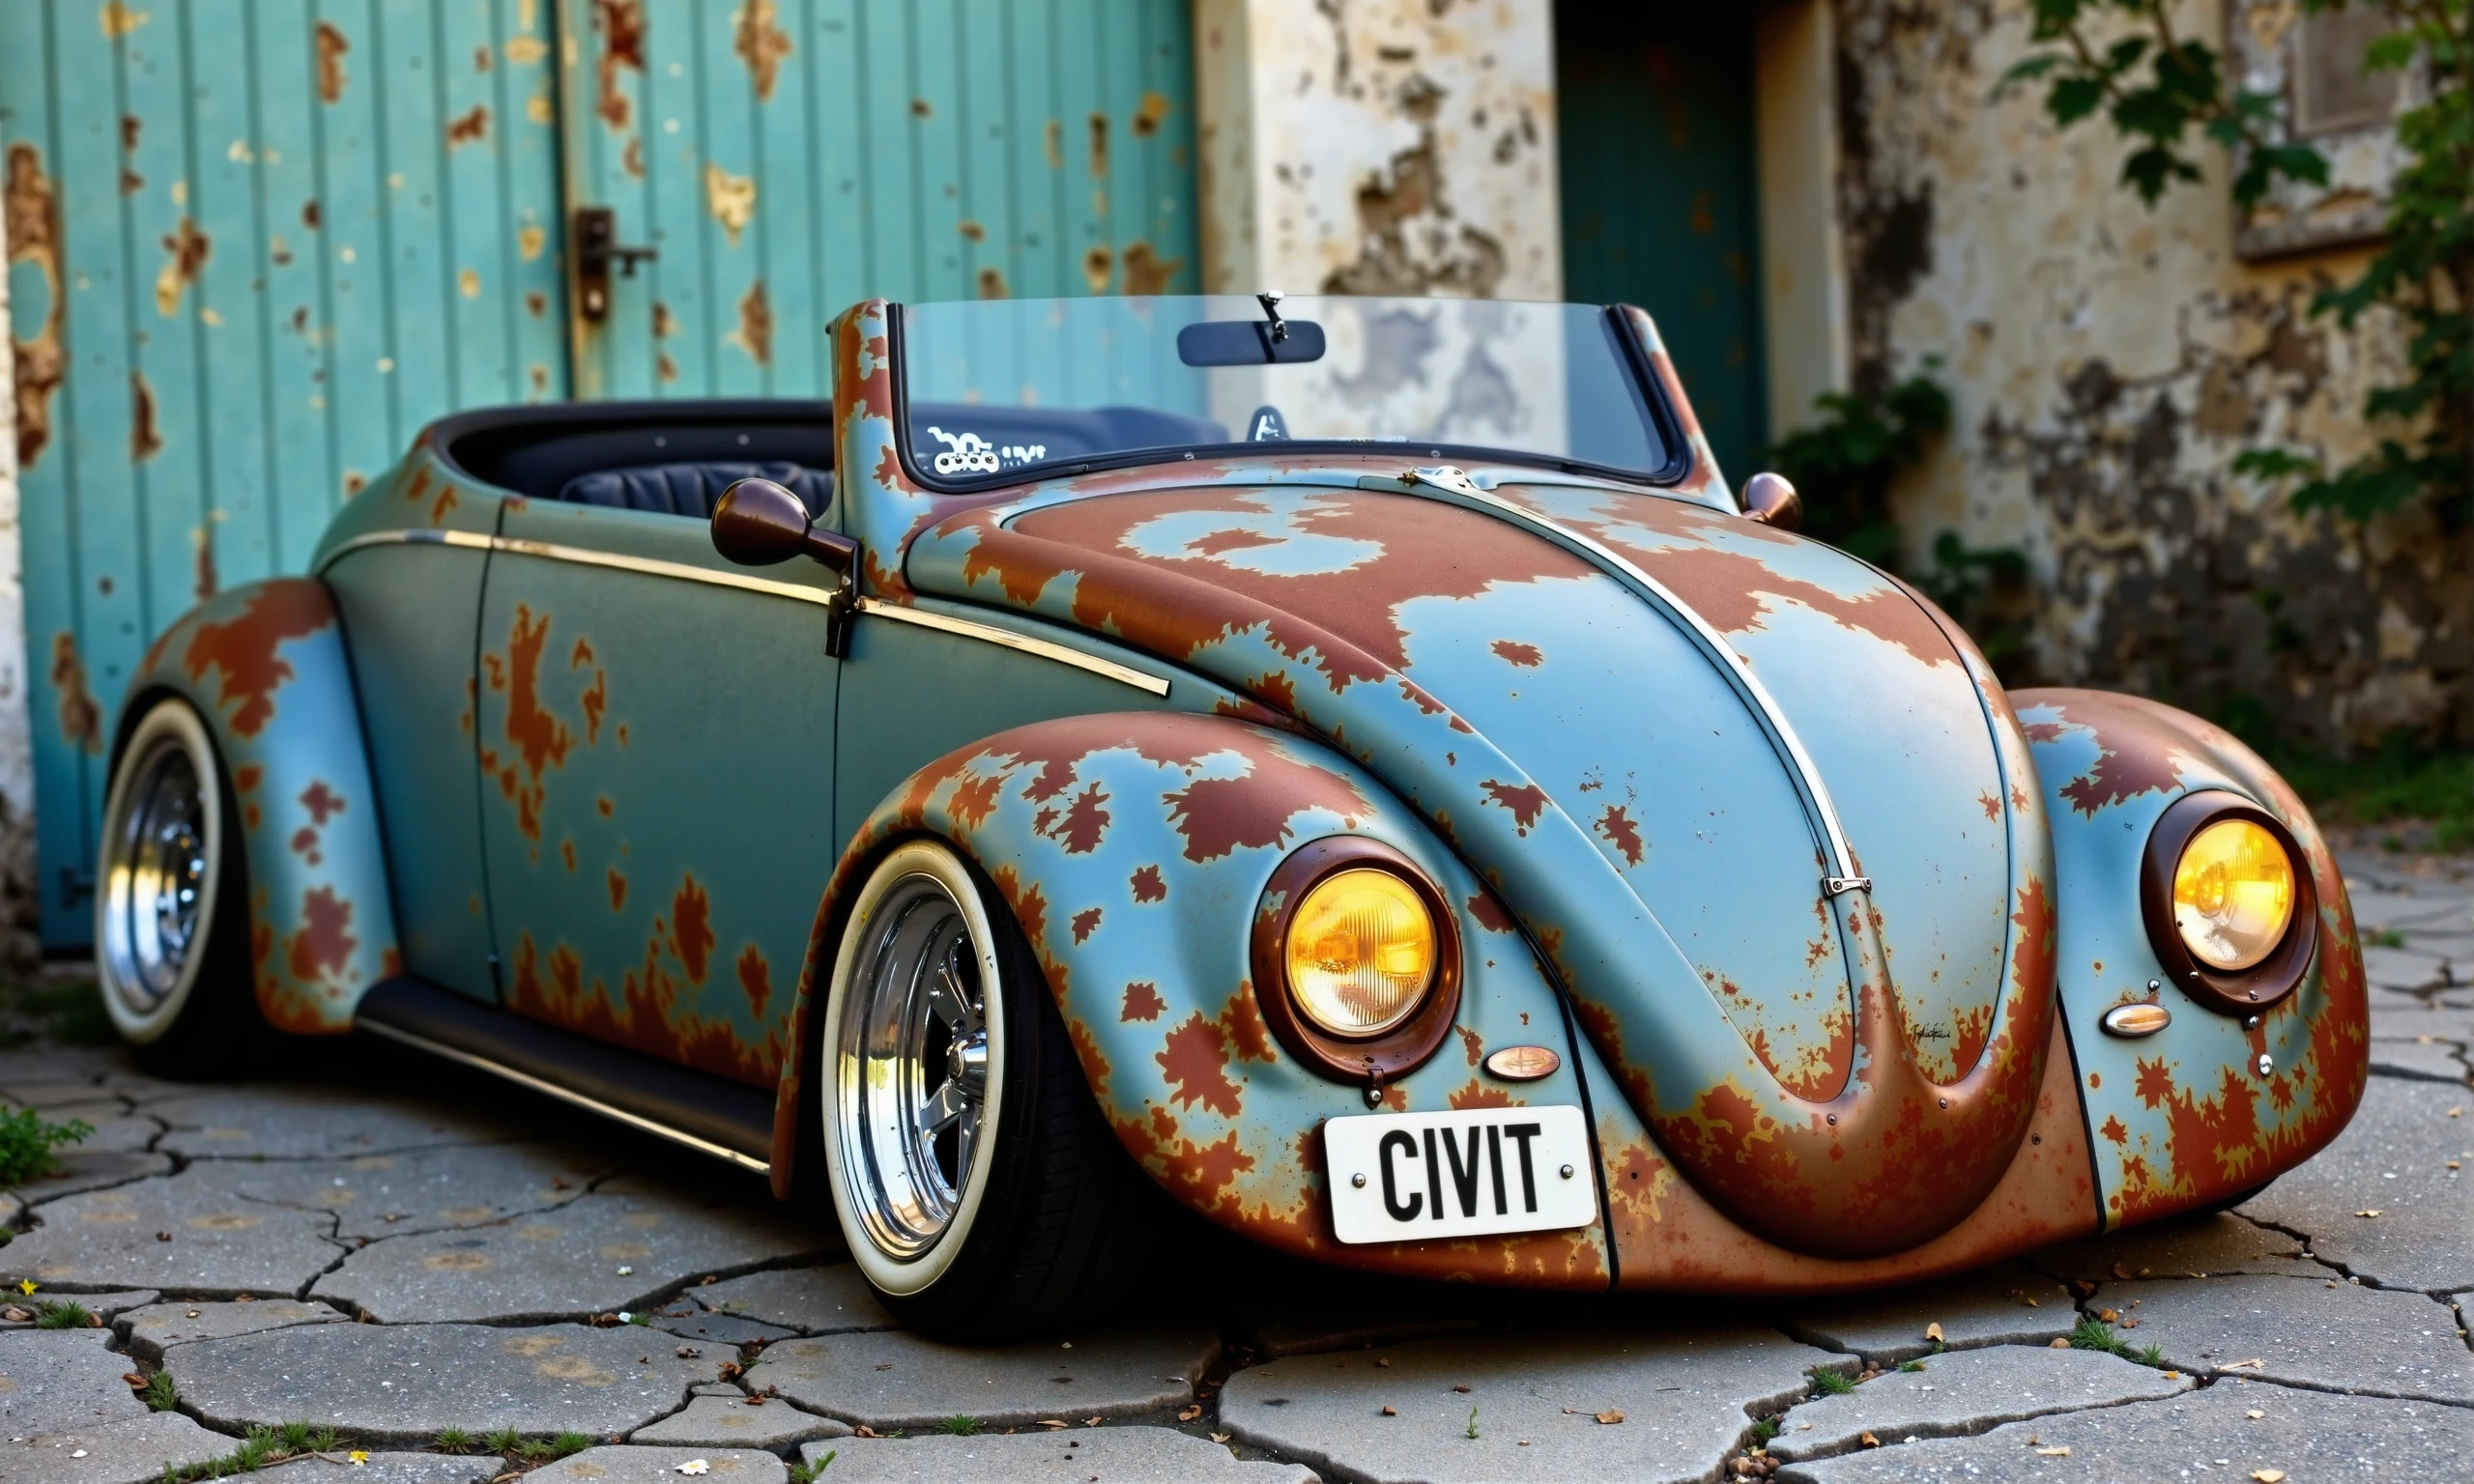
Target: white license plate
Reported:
point(1400, 1177)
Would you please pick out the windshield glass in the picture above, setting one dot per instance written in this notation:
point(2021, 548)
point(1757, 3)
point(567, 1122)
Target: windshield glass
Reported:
point(1005, 384)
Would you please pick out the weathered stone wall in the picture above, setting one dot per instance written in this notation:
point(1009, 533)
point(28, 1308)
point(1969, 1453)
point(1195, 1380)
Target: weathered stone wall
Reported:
point(1379, 147)
point(2108, 363)
point(19, 947)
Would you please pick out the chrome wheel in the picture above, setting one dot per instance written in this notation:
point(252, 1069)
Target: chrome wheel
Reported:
point(916, 1058)
point(155, 896)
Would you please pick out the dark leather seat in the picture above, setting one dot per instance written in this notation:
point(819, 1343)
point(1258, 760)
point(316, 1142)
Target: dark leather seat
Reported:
point(693, 489)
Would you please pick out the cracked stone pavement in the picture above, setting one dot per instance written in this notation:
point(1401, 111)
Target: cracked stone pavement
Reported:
point(393, 1247)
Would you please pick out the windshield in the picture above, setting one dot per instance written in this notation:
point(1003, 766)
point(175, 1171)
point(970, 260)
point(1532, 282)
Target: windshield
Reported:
point(1005, 384)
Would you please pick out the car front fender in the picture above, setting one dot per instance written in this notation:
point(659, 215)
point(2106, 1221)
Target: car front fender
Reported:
point(265, 666)
point(1135, 851)
point(2185, 1117)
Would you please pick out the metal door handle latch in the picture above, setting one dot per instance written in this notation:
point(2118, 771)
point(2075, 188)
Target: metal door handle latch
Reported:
point(597, 240)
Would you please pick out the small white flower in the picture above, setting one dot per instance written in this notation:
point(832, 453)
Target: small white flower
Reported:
point(695, 1466)
point(624, 1316)
point(626, 1272)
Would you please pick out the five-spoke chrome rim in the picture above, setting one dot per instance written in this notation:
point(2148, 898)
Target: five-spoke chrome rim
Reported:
point(912, 1068)
point(156, 859)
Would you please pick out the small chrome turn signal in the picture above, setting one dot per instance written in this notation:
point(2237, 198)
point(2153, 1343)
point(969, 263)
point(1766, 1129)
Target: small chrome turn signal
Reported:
point(2136, 1021)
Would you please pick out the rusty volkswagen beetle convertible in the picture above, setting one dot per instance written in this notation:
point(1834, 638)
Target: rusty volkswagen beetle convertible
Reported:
point(1353, 766)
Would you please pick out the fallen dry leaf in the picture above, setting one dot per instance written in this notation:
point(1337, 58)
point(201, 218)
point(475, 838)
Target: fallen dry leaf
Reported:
point(1222, 1437)
point(2059, 1345)
point(865, 1431)
point(1391, 1411)
point(2237, 1365)
point(1052, 1422)
point(1090, 1421)
point(1869, 1441)
point(1933, 1332)
point(2255, 1413)
point(1189, 1414)
point(1610, 1417)
point(1463, 1390)
point(1383, 1361)
point(2109, 1315)
point(2457, 1112)
point(2062, 1451)
point(2267, 1475)
point(2365, 1215)
point(2172, 1375)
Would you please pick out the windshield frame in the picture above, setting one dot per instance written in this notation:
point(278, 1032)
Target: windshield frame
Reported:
point(1646, 384)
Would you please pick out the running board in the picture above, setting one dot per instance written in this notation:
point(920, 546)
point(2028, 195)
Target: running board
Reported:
point(713, 1116)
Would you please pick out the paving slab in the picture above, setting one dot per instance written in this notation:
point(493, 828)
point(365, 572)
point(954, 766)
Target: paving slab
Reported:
point(75, 1170)
point(2402, 968)
point(729, 1421)
point(2000, 1305)
point(2180, 1247)
point(62, 1100)
point(2408, 1017)
point(156, 1328)
point(2345, 1338)
point(374, 1196)
point(2392, 1158)
point(1686, 1396)
point(726, 1330)
point(891, 1379)
point(134, 1451)
point(2423, 1059)
point(629, 1465)
point(1968, 1391)
point(337, 1468)
point(597, 1255)
point(832, 1300)
point(103, 1306)
point(310, 1123)
point(34, 1066)
point(1110, 1454)
point(193, 1233)
point(54, 1381)
point(2308, 1436)
point(400, 1385)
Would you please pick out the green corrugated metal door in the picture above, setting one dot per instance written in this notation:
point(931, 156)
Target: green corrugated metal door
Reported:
point(787, 157)
point(254, 244)
point(1654, 102)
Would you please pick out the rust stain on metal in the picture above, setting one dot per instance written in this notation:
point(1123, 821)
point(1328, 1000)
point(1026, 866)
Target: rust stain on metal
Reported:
point(1053, 136)
point(755, 332)
point(756, 978)
point(540, 739)
point(1099, 145)
point(1146, 273)
point(33, 232)
point(691, 936)
point(330, 48)
point(82, 716)
point(1099, 264)
point(321, 951)
point(991, 283)
point(760, 43)
point(617, 890)
point(471, 127)
point(621, 25)
point(1148, 118)
point(1142, 1002)
point(203, 584)
point(730, 199)
point(119, 19)
point(322, 802)
point(145, 441)
point(1148, 884)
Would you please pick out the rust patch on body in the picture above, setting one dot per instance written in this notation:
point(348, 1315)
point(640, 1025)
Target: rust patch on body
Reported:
point(691, 933)
point(756, 978)
point(32, 215)
point(1525, 802)
point(621, 25)
point(1241, 1022)
point(617, 890)
point(540, 739)
point(1512, 653)
point(1148, 884)
point(241, 651)
point(1622, 833)
point(1142, 1002)
point(322, 802)
point(1217, 815)
point(1085, 923)
point(321, 950)
point(1196, 1064)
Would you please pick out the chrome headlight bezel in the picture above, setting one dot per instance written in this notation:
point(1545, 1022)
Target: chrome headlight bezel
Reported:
point(1365, 1060)
point(2234, 992)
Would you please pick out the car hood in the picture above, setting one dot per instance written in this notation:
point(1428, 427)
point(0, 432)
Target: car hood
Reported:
point(1654, 729)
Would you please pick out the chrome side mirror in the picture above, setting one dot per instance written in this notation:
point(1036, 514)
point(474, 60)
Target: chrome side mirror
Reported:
point(1772, 502)
point(759, 524)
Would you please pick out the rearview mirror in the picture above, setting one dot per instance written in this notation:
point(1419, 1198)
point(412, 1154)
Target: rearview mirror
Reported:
point(1772, 502)
point(759, 524)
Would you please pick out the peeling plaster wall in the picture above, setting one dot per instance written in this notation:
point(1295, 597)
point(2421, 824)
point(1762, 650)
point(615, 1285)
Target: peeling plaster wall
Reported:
point(19, 947)
point(2108, 363)
point(1379, 147)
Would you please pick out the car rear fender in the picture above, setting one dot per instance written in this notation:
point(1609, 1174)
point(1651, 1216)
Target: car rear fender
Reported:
point(1135, 851)
point(2185, 1117)
point(265, 666)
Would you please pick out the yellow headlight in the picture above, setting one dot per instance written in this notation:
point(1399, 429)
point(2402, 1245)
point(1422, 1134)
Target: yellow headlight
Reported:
point(1360, 953)
point(2233, 895)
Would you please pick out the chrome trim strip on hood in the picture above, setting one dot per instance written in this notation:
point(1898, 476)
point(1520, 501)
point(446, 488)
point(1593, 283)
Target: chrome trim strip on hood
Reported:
point(1451, 486)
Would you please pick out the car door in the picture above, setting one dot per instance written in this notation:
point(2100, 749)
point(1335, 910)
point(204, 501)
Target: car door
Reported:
point(656, 754)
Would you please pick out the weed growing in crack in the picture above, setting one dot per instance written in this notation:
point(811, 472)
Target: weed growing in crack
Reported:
point(2096, 1334)
point(161, 1393)
point(501, 1440)
point(64, 1315)
point(960, 1426)
point(1473, 1421)
point(452, 1440)
point(2152, 1356)
point(1828, 1383)
point(1911, 1365)
point(809, 1473)
point(1763, 1430)
point(26, 1142)
point(568, 1442)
